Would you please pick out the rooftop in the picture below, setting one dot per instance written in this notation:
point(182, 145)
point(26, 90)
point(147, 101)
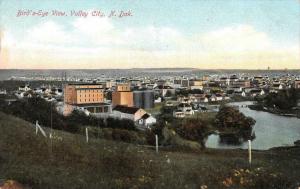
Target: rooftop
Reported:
point(125, 109)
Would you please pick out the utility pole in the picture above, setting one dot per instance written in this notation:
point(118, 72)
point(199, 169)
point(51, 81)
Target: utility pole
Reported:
point(51, 129)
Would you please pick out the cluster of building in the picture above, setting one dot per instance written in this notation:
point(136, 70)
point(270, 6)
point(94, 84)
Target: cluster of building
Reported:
point(222, 88)
point(124, 104)
point(48, 93)
point(130, 98)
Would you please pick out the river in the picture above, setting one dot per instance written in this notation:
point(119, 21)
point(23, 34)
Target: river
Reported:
point(270, 130)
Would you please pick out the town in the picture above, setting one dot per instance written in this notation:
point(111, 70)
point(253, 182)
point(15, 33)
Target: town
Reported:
point(130, 98)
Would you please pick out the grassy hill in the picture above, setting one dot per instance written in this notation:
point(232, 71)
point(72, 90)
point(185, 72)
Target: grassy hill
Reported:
point(69, 162)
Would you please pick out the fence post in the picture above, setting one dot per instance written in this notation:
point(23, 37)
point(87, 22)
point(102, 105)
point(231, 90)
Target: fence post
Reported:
point(36, 127)
point(87, 135)
point(249, 151)
point(156, 143)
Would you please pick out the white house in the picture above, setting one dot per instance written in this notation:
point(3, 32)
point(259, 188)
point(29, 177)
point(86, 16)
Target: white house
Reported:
point(163, 90)
point(3, 91)
point(178, 114)
point(38, 90)
point(158, 100)
point(257, 92)
point(146, 120)
point(137, 115)
point(24, 88)
point(277, 86)
point(216, 97)
point(131, 113)
point(183, 109)
point(19, 94)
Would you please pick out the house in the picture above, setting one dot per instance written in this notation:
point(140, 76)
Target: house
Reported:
point(164, 90)
point(204, 99)
point(198, 98)
point(24, 88)
point(178, 114)
point(57, 91)
point(3, 92)
point(45, 90)
point(38, 90)
point(50, 99)
point(277, 86)
point(19, 94)
point(131, 113)
point(183, 109)
point(216, 97)
point(196, 84)
point(183, 99)
point(146, 120)
point(256, 92)
point(219, 97)
point(137, 115)
point(240, 93)
point(168, 103)
point(158, 100)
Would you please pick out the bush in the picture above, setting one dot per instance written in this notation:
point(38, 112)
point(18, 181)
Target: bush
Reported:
point(36, 108)
point(193, 129)
point(124, 135)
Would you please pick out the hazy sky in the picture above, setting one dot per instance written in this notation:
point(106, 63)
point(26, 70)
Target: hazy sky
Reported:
point(250, 34)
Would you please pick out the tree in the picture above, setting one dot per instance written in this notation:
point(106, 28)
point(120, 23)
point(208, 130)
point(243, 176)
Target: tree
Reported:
point(193, 129)
point(284, 100)
point(234, 124)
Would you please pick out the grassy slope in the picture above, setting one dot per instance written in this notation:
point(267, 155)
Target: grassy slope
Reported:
point(27, 158)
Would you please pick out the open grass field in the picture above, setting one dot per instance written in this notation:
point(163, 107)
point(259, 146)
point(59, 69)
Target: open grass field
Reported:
point(69, 162)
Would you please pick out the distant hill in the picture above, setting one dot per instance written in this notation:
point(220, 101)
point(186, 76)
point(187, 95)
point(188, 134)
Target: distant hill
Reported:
point(135, 72)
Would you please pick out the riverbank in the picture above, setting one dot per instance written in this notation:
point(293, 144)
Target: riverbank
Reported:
point(287, 113)
point(69, 162)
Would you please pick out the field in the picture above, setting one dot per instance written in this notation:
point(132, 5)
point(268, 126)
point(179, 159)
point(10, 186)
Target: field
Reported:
point(69, 162)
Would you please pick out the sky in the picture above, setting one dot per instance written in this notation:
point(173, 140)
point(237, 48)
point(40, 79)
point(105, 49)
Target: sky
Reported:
point(204, 34)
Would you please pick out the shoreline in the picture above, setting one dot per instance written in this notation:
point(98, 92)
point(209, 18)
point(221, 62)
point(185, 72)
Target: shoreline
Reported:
point(259, 107)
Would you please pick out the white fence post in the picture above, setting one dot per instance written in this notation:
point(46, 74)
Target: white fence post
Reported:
point(249, 151)
point(156, 143)
point(87, 135)
point(36, 127)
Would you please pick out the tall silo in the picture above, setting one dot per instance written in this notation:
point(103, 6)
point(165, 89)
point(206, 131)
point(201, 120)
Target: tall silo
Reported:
point(148, 99)
point(143, 99)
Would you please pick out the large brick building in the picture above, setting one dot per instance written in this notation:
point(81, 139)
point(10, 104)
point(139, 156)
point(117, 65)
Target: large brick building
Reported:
point(122, 95)
point(83, 94)
point(87, 97)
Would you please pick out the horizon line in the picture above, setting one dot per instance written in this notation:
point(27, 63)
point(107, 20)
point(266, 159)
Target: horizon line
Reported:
point(148, 68)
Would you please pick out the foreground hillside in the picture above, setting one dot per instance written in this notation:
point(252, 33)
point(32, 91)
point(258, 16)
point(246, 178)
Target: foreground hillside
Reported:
point(68, 162)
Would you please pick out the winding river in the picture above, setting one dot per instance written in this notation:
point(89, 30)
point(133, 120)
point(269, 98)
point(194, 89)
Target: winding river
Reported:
point(270, 130)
